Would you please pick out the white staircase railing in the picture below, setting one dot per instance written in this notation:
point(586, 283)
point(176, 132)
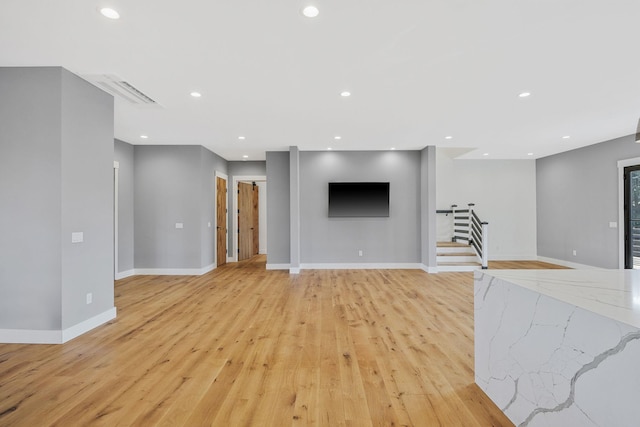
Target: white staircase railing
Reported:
point(468, 227)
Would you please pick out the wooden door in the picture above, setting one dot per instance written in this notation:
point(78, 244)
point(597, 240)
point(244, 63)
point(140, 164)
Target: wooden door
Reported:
point(245, 221)
point(221, 221)
point(256, 220)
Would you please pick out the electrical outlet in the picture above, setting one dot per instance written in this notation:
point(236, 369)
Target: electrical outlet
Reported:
point(575, 253)
point(89, 298)
point(360, 253)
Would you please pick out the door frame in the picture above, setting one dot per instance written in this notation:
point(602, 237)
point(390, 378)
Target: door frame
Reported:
point(215, 216)
point(236, 179)
point(621, 221)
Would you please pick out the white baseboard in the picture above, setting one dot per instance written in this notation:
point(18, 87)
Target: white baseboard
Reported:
point(294, 271)
point(124, 274)
point(231, 259)
point(277, 266)
point(362, 266)
point(430, 270)
point(568, 263)
point(29, 336)
point(531, 257)
point(174, 271)
point(89, 324)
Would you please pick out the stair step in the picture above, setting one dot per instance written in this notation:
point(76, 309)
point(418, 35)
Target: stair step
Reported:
point(451, 245)
point(455, 254)
point(458, 266)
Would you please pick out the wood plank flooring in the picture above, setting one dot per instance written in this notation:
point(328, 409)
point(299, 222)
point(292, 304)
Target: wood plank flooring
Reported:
point(242, 346)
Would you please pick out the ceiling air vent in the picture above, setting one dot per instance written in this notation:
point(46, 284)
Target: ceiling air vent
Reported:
point(120, 88)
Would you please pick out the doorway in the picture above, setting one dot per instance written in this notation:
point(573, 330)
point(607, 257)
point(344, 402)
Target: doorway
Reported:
point(632, 217)
point(249, 236)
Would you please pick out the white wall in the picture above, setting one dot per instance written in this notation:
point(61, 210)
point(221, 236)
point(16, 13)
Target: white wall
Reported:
point(504, 192)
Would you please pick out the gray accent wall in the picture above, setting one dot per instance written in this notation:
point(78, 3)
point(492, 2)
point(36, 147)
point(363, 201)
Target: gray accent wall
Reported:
point(123, 154)
point(174, 184)
point(577, 197)
point(396, 239)
point(56, 177)
point(277, 165)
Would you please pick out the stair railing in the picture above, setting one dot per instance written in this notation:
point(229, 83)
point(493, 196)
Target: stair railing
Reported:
point(468, 228)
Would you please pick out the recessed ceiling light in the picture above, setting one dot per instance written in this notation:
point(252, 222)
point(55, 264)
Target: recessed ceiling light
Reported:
point(329, 148)
point(448, 137)
point(393, 148)
point(566, 137)
point(485, 154)
point(196, 94)
point(310, 11)
point(241, 137)
point(529, 154)
point(345, 94)
point(245, 157)
point(524, 94)
point(109, 13)
point(337, 137)
point(144, 136)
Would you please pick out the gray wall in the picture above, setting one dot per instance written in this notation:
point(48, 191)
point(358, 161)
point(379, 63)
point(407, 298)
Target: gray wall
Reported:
point(577, 197)
point(395, 239)
point(277, 166)
point(174, 184)
point(56, 177)
point(123, 154)
point(209, 164)
point(87, 199)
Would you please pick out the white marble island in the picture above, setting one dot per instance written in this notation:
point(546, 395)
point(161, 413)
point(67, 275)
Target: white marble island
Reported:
point(559, 347)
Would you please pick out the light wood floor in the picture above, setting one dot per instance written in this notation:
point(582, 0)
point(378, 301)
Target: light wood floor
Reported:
point(242, 346)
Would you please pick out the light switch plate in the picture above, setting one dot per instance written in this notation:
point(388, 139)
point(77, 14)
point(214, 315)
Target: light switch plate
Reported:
point(77, 237)
point(613, 225)
point(179, 225)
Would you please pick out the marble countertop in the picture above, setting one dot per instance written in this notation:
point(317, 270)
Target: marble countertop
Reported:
point(611, 293)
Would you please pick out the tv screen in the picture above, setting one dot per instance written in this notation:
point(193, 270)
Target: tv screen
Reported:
point(358, 199)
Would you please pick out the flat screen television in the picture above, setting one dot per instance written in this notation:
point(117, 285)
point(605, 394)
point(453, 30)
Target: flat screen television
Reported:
point(358, 199)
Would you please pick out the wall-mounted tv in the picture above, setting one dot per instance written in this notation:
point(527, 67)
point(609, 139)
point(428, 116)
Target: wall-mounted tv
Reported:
point(358, 199)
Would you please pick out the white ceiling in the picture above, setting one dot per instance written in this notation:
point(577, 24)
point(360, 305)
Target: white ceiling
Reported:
point(418, 70)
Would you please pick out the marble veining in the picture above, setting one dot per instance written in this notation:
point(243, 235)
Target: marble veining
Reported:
point(549, 362)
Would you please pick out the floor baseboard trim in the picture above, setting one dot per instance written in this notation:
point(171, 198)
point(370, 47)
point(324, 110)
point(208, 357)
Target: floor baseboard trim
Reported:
point(124, 274)
point(362, 266)
point(427, 269)
point(568, 263)
point(89, 324)
point(34, 336)
point(174, 271)
point(277, 266)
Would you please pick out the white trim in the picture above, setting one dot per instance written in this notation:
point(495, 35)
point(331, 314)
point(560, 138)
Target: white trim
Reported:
point(277, 266)
point(427, 269)
point(568, 263)
point(174, 271)
point(361, 266)
point(621, 165)
point(230, 259)
point(125, 274)
point(531, 257)
point(30, 336)
point(236, 179)
point(89, 324)
point(294, 271)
